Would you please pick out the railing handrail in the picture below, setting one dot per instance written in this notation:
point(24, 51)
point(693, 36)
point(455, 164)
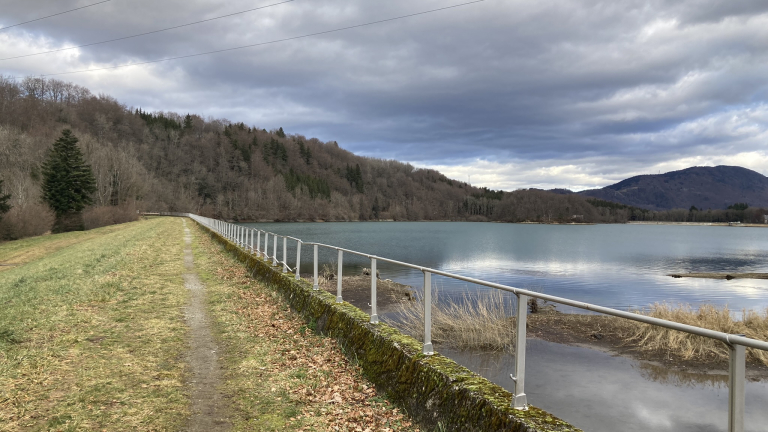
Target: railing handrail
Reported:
point(736, 343)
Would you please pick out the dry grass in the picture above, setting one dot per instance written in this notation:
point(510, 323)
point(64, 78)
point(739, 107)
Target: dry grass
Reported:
point(487, 322)
point(475, 322)
point(686, 346)
point(280, 375)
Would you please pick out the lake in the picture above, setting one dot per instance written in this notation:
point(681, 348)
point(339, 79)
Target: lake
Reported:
point(619, 266)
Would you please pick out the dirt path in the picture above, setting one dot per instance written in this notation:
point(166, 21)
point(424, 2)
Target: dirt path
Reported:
point(209, 411)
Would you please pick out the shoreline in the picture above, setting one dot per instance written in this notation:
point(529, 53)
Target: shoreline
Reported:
point(711, 224)
point(715, 224)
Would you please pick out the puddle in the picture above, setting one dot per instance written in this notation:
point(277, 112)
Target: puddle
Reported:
point(600, 392)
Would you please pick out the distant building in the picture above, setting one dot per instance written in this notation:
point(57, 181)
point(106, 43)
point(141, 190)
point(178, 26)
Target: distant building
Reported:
point(765, 219)
point(581, 218)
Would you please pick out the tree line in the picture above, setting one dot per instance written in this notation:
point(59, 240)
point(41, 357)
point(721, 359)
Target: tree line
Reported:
point(165, 161)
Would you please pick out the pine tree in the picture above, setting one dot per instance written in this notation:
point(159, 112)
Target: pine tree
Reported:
point(4, 206)
point(68, 183)
point(188, 122)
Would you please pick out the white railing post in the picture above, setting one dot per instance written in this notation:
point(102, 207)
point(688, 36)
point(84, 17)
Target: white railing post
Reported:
point(266, 245)
point(251, 231)
point(736, 388)
point(285, 254)
point(298, 259)
point(339, 277)
point(428, 350)
point(374, 315)
point(258, 243)
point(315, 286)
point(519, 400)
point(274, 249)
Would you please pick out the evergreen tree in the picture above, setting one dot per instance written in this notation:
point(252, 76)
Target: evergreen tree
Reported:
point(280, 133)
point(68, 183)
point(305, 152)
point(4, 206)
point(188, 122)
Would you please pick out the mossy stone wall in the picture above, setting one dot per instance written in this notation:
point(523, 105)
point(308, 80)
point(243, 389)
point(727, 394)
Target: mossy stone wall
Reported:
point(434, 390)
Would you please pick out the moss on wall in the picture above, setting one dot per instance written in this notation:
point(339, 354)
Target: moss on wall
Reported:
point(435, 391)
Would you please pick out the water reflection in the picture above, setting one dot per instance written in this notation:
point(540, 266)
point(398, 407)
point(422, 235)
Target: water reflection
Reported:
point(597, 391)
point(678, 378)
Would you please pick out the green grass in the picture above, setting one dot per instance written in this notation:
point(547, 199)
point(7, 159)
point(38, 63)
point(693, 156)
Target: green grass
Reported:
point(91, 330)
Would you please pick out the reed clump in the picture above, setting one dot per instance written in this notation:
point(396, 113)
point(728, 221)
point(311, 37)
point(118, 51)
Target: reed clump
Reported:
point(686, 346)
point(474, 321)
point(486, 321)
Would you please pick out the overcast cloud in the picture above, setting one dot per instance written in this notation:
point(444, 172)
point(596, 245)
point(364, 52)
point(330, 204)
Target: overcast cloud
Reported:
point(545, 93)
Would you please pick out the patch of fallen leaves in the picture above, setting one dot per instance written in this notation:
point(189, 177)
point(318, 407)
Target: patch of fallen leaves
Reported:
point(328, 391)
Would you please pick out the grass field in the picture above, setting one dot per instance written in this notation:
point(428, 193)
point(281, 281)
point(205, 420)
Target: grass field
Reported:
point(93, 337)
point(91, 330)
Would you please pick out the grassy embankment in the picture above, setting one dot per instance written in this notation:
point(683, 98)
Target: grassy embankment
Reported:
point(91, 330)
point(279, 374)
point(487, 322)
point(92, 337)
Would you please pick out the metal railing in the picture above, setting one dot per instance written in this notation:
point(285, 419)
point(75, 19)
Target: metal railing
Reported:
point(737, 344)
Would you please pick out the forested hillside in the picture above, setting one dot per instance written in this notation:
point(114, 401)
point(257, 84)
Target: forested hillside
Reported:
point(165, 161)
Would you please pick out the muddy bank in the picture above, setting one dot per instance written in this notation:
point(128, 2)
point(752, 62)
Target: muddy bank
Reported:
point(357, 291)
point(727, 276)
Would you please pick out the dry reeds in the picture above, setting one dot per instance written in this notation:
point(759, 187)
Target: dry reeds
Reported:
point(477, 321)
point(486, 321)
point(687, 346)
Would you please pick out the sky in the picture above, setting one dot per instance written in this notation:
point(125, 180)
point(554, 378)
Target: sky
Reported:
point(507, 94)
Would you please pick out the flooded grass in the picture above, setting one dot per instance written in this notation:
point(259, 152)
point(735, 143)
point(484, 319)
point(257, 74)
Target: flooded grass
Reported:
point(752, 324)
point(477, 321)
point(487, 322)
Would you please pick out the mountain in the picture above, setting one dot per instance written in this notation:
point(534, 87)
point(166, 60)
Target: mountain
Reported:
point(703, 187)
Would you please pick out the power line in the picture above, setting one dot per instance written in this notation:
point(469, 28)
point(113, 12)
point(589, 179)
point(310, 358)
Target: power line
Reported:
point(261, 43)
point(56, 14)
point(146, 33)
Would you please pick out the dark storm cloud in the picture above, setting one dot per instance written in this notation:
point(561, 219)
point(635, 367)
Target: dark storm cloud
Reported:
point(614, 87)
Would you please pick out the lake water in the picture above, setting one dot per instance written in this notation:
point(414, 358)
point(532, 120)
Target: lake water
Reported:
point(620, 266)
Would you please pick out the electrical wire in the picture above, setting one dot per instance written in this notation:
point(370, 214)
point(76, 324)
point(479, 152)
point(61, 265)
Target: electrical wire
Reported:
point(260, 43)
point(146, 33)
point(56, 14)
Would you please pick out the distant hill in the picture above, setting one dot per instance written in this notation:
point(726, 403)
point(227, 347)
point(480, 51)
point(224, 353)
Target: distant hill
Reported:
point(703, 187)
